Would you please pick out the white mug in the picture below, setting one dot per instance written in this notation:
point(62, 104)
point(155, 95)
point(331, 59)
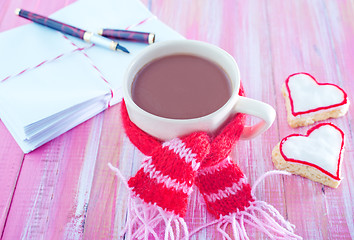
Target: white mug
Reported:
point(166, 128)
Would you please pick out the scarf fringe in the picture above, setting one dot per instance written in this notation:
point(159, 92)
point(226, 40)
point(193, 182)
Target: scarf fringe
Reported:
point(259, 215)
point(143, 219)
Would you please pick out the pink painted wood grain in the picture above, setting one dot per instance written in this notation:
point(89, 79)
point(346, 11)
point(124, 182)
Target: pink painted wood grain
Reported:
point(108, 196)
point(11, 158)
point(54, 187)
point(64, 190)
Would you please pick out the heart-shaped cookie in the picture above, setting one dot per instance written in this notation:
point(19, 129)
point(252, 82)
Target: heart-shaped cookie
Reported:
point(308, 101)
point(316, 155)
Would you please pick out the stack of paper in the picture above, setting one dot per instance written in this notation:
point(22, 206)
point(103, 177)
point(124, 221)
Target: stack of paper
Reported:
point(45, 101)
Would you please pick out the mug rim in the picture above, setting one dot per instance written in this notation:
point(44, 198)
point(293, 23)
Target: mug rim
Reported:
point(169, 43)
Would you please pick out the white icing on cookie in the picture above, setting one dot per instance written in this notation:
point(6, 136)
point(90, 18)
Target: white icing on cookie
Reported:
point(307, 94)
point(321, 148)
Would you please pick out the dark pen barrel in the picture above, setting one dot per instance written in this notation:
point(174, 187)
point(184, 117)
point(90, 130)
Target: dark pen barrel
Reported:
point(132, 36)
point(70, 30)
point(62, 27)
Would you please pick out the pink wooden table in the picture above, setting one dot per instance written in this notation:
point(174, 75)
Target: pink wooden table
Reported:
point(64, 189)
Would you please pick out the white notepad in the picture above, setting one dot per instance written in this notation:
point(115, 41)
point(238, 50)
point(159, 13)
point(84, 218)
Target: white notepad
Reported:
point(42, 103)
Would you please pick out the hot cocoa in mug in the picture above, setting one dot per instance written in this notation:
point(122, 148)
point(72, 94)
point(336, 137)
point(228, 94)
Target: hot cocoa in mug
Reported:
point(174, 88)
point(181, 86)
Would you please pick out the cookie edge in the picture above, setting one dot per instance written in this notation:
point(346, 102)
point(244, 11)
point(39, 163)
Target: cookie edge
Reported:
point(302, 169)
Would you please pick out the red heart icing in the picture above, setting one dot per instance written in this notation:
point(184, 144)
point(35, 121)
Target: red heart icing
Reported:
point(321, 148)
point(334, 87)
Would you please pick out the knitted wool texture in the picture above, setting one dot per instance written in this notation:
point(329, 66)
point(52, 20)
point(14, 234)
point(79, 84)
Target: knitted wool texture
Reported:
point(220, 181)
point(169, 185)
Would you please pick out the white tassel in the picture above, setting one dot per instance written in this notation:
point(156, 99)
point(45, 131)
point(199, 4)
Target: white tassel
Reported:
point(144, 219)
point(260, 215)
point(269, 173)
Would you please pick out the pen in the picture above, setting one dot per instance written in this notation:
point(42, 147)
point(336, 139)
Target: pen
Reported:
point(143, 37)
point(70, 30)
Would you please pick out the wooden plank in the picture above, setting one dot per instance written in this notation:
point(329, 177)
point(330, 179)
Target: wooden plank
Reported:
point(11, 157)
point(108, 196)
point(53, 190)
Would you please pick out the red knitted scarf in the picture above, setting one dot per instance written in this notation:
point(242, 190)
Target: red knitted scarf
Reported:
point(161, 187)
